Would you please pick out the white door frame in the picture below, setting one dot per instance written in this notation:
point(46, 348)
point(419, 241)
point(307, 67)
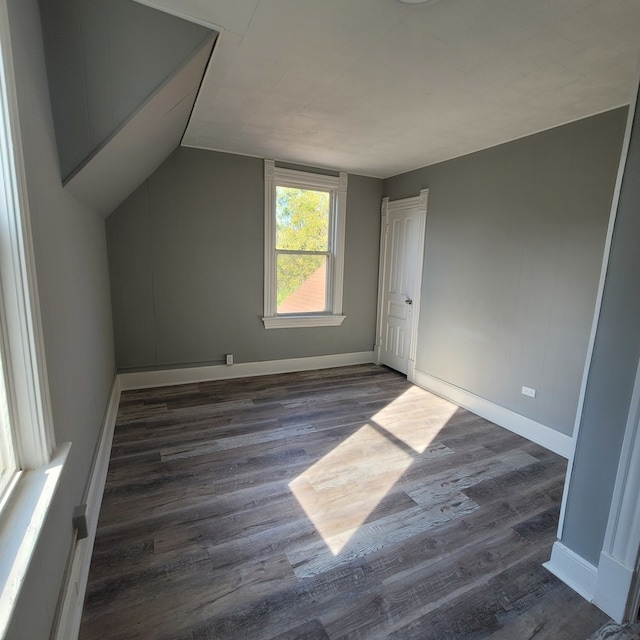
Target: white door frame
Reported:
point(417, 202)
point(617, 586)
point(617, 590)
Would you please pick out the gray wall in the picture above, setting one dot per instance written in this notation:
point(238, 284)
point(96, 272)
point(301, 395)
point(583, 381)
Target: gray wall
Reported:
point(72, 272)
point(186, 263)
point(611, 375)
point(105, 58)
point(515, 236)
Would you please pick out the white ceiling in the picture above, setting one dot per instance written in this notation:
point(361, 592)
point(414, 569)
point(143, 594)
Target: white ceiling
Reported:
point(377, 88)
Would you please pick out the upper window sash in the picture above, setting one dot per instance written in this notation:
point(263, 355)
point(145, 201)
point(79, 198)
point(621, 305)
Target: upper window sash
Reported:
point(337, 187)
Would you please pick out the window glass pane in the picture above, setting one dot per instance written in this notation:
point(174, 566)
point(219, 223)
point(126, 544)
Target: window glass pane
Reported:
point(302, 283)
point(7, 458)
point(302, 219)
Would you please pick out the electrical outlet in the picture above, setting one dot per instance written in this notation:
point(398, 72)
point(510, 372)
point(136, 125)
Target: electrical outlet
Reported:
point(229, 358)
point(528, 391)
point(80, 522)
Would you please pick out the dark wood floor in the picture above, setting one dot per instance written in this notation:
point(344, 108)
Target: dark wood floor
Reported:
point(343, 503)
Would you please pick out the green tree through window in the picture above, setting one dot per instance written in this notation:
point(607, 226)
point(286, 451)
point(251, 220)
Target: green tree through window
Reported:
point(302, 241)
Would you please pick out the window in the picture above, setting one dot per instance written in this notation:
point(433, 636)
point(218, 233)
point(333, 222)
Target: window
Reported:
point(304, 248)
point(26, 433)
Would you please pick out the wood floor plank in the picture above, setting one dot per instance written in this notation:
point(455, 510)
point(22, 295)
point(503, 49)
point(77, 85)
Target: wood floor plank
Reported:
point(417, 594)
point(342, 503)
point(546, 619)
point(224, 444)
point(312, 630)
point(372, 536)
point(461, 478)
point(475, 613)
point(415, 556)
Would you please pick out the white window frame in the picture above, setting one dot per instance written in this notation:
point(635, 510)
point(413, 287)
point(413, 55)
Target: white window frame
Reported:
point(337, 186)
point(28, 400)
point(35, 465)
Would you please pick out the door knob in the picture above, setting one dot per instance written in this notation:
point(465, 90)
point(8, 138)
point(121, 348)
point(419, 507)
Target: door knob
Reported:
point(408, 301)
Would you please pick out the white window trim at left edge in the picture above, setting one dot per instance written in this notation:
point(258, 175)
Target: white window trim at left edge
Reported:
point(274, 176)
point(28, 496)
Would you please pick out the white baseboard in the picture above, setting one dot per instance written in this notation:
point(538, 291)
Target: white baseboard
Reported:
point(168, 377)
point(573, 570)
point(536, 432)
point(613, 586)
point(70, 615)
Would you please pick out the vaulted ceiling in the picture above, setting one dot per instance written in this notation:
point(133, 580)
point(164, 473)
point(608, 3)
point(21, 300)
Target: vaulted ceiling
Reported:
point(377, 87)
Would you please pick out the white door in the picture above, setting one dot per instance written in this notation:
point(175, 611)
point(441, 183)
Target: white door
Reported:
point(401, 275)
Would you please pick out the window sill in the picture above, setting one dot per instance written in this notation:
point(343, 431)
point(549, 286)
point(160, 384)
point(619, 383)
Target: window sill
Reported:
point(21, 523)
point(292, 322)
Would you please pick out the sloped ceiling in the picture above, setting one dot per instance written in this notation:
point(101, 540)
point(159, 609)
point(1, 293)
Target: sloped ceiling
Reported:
point(140, 146)
point(105, 58)
point(377, 87)
point(123, 79)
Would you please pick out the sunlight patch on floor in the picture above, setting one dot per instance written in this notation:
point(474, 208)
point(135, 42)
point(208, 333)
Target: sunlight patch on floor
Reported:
point(340, 491)
point(415, 418)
